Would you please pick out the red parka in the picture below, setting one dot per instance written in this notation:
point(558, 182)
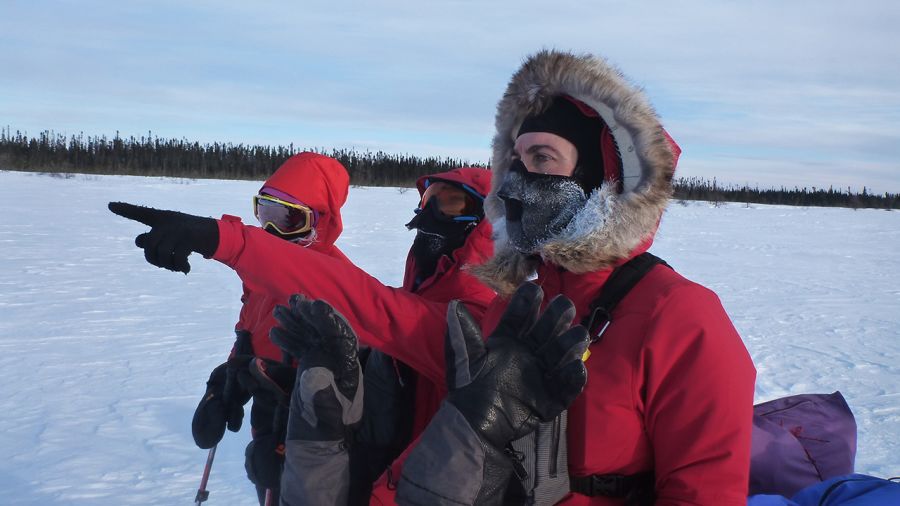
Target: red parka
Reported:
point(670, 390)
point(321, 183)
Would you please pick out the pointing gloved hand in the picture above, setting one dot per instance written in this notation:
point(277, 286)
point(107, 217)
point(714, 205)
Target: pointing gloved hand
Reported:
point(172, 236)
point(327, 397)
point(222, 406)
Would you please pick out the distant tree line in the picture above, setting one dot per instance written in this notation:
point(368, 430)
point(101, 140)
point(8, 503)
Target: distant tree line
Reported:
point(701, 189)
point(151, 156)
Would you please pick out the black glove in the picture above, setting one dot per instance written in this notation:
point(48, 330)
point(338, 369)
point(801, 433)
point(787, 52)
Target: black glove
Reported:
point(263, 460)
point(271, 384)
point(222, 406)
point(173, 235)
point(528, 371)
point(327, 398)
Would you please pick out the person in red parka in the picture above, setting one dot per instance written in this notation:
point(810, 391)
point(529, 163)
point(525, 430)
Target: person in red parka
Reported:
point(299, 203)
point(582, 174)
point(450, 236)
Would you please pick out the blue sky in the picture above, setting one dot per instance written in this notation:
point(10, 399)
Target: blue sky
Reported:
point(773, 93)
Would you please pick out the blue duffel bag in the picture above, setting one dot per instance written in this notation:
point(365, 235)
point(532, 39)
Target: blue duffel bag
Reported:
point(849, 490)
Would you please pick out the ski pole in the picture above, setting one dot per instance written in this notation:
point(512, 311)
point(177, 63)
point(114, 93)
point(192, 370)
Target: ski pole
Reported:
point(202, 493)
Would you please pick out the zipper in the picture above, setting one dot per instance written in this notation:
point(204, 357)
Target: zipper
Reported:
point(554, 446)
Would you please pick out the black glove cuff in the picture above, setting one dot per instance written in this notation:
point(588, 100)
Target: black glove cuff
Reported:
point(207, 238)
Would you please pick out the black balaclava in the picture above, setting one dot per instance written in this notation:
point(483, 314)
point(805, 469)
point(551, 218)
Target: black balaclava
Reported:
point(539, 206)
point(436, 235)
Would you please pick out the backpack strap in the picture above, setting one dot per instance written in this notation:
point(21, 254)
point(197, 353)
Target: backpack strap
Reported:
point(620, 282)
point(636, 488)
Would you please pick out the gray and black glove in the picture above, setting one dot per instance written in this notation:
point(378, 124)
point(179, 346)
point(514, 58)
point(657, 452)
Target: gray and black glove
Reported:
point(327, 397)
point(326, 404)
point(172, 236)
point(528, 371)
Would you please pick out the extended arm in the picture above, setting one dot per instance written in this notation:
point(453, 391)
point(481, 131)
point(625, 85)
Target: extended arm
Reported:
point(395, 321)
point(401, 324)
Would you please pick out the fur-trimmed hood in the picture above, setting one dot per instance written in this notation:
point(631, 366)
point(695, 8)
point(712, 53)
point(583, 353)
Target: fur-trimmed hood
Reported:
point(621, 217)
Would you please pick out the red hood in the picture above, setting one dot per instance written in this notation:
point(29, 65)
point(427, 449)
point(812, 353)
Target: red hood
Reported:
point(319, 182)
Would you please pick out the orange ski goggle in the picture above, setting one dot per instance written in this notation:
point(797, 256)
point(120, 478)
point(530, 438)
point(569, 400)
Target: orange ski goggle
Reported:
point(457, 202)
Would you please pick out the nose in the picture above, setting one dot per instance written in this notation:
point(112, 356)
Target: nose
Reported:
point(513, 182)
point(511, 193)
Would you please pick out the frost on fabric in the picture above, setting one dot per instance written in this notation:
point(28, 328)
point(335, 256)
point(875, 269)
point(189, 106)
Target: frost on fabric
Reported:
point(538, 207)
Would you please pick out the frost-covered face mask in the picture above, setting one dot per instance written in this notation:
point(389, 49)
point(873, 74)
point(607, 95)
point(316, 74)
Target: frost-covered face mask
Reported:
point(538, 206)
point(436, 235)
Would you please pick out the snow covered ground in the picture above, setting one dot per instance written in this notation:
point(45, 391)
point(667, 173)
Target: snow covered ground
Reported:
point(104, 357)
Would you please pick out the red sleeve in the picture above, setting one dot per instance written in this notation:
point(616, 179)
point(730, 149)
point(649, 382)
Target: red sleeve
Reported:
point(243, 322)
point(392, 320)
point(699, 383)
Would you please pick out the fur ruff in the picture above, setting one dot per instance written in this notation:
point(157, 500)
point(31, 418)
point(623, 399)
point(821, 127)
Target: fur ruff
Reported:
point(611, 225)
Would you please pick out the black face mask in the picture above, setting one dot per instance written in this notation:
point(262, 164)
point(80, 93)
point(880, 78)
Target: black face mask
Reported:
point(538, 206)
point(436, 235)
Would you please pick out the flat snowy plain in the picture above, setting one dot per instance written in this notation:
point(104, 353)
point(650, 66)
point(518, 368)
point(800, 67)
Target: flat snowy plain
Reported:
point(103, 357)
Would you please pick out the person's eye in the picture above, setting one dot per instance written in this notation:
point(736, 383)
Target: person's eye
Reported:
point(542, 157)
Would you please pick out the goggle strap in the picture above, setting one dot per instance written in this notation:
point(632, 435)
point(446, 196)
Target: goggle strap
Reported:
point(472, 191)
point(464, 186)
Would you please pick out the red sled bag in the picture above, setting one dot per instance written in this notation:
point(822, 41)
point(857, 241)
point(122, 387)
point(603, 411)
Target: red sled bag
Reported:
point(799, 441)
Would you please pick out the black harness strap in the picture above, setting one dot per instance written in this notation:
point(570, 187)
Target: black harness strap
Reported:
point(620, 282)
point(636, 488)
point(633, 487)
